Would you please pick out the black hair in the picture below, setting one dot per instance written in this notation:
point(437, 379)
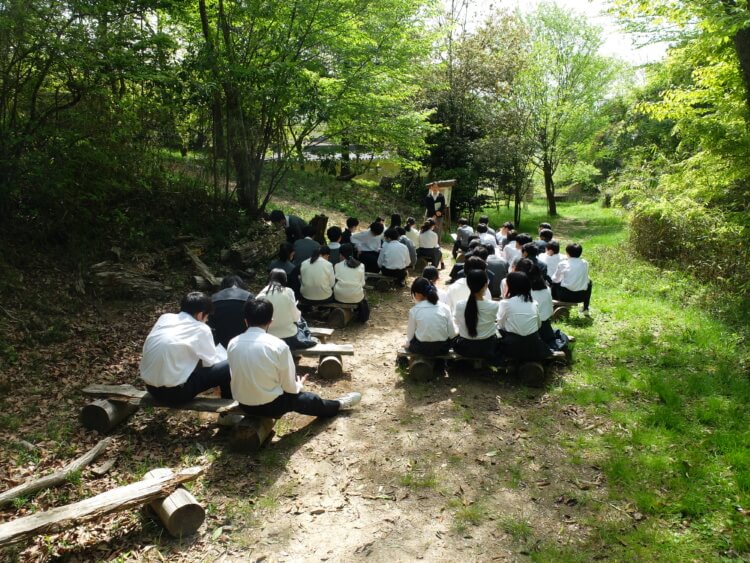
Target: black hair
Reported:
point(523, 265)
point(277, 280)
point(347, 252)
point(519, 285)
point(484, 219)
point(536, 279)
point(544, 226)
point(233, 281)
point(482, 228)
point(258, 312)
point(530, 249)
point(352, 222)
point(334, 233)
point(308, 231)
point(546, 235)
point(490, 250)
point(401, 231)
point(481, 252)
point(316, 254)
point(509, 225)
point(379, 219)
point(523, 238)
point(410, 222)
point(196, 302)
point(285, 251)
point(474, 241)
point(424, 287)
point(277, 215)
point(574, 250)
point(475, 280)
point(426, 226)
point(463, 221)
point(554, 246)
point(325, 250)
point(391, 234)
point(377, 228)
point(474, 263)
point(511, 236)
point(430, 273)
point(395, 220)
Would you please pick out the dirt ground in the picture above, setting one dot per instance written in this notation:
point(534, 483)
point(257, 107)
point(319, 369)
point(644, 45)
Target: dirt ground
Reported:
point(470, 467)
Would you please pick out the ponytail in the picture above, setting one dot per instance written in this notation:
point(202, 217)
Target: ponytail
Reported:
point(519, 286)
point(476, 280)
point(315, 255)
point(276, 280)
point(424, 287)
point(347, 253)
point(426, 227)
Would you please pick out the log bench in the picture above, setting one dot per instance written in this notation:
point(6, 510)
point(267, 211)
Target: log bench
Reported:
point(561, 309)
point(339, 314)
point(422, 368)
point(321, 333)
point(115, 403)
point(379, 282)
point(330, 361)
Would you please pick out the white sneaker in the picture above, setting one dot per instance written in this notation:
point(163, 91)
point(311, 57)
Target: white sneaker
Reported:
point(585, 312)
point(229, 419)
point(349, 400)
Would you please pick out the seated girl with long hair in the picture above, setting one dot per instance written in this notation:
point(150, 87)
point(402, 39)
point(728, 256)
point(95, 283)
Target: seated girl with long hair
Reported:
point(429, 243)
point(555, 339)
point(430, 330)
point(287, 322)
point(476, 319)
point(350, 282)
point(519, 322)
point(317, 277)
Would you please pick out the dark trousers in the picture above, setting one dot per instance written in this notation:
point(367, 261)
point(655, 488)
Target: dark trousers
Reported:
point(430, 349)
point(400, 275)
point(485, 348)
point(563, 294)
point(432, 254)
point(202, 379)
point(303, 403)
point(363, 311)
point(370, 259)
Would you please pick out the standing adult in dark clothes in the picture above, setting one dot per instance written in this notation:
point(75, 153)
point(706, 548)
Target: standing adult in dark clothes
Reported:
point(434, 204)
point(293, 226)
point(228, 317)
point(304, 247)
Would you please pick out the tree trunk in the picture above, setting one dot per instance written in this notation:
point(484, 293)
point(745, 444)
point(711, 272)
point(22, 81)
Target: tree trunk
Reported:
point(346, 169)
point(742, 46)
point(549, 187)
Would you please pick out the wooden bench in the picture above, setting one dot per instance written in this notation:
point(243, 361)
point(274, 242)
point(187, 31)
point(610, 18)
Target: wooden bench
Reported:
point(379, 282)
point(330, 361)
point(115, 403)
point(422, 368)
point(339, 314)
point(321, 333)
point(561, 309)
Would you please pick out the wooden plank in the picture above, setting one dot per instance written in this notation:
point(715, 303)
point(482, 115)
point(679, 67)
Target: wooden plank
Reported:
point(325, 350)
point(56, 478)
point(320, 332)
point(121, 498)
point(115, 390)
point(333, 305)
point(130, 395)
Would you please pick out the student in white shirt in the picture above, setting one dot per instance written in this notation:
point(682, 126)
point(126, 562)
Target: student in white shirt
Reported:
point(429, 244)
point(406, 241)
point(432, 275)
point(412, 232)
point(555, 339)
point(459, 290)
point(394, 257)
point(476, 319)
point(519, 322)
point(570, 282)
point(180, 359)
point(264, 380)
point(485, 238)
point(510, 252)
point(288, 324)
point(463, 232)
point(350, 282)
point(368, 245)
point(551, 256)
point(317, 278)
point(430, 330)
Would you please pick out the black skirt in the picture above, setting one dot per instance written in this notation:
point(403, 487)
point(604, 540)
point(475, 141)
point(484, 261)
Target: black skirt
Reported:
point(529, 348)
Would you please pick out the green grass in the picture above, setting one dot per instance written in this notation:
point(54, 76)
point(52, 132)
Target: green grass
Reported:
point(664, 360)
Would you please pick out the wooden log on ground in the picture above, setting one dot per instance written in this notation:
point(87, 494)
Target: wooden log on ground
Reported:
point(251, 433)
point(339, 318)
point(201, 284)
point(203, 270)
point(330, 367)
point(56, 478)
point(421, 369)
point(180, 513)
point(116, 280)
point(103, 415)
point(121, 498)
point(559, 313)
point(531, 374)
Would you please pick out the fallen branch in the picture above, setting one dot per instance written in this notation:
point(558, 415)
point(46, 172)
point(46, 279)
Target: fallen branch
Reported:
point(201, 267)
point(56, 478)
point(121, 498)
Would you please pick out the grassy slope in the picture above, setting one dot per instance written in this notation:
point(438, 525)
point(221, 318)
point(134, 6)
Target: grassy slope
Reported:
point(663, 365)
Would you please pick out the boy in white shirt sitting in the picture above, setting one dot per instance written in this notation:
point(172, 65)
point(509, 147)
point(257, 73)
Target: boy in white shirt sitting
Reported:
point(180, 359)
point(264, 380)
point(570, 282)
point(394, 257)
point(551, 256)
point(463, 232)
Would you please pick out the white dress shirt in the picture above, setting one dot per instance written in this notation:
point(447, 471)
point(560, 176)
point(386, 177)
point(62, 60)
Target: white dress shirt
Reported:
point(552, 261)
point(262, 368)
point(285, 311)
point(510, 252)
point(486, 319)
point(518, 316)
point(463, 233)
point(543, 298)
point(459, 291)
point(413, 235)
point(430, 323)
point(428, 239)
point(316, 279)
point(487, 239)
point(173, 348)
point(394, 256)
point(350, 283)
point(365, 241)
point(572, 274)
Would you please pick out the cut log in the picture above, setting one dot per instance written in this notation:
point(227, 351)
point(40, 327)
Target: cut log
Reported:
point(117, 281)
point(103, 415)
point(251, 433)
point(121, 498)
point(180, 513)
point(56, 478)
point(330, 367)
point(421, 369)
point(339, 318)
point(203, 270)
point(531, 374)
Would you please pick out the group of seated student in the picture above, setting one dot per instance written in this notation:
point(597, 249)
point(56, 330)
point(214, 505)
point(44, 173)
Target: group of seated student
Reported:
point(183, 358)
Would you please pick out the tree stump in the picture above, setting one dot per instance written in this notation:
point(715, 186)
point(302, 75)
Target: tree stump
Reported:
point(531, 374)
point(103, 415)
point(180, 513)
point(421, 369)
point(250, 434)
point(330, 367)
point(339, 318)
